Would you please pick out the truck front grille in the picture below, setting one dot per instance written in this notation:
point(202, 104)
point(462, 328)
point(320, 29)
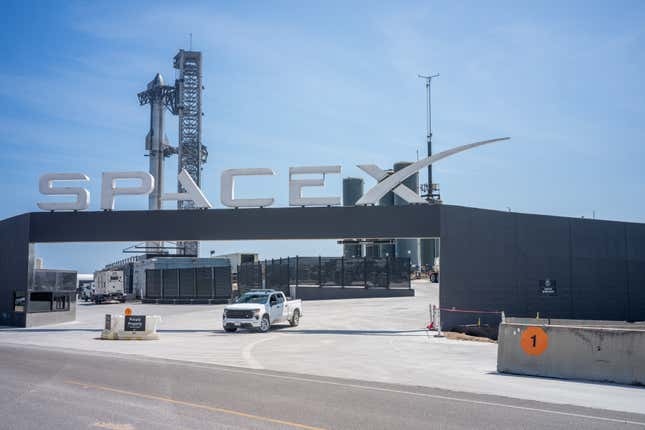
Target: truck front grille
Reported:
point(235, 313)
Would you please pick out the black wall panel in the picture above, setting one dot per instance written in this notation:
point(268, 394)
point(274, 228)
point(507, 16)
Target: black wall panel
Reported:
point(223, 283)
point(170, 283)
point(187, 282)
point(478, 259)
point(153, 283)
point(16, 262)
point(493, 260)
point(544, 254)
point(599, 270)
point(204, 282)
point(635, 234)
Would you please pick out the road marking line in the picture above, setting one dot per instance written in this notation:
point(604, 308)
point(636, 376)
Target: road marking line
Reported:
point(247, 354)
point(193, 405)
point(112, 426)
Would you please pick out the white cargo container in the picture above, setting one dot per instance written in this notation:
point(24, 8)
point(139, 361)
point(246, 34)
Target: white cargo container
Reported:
point(108, 286)
point(238, 258)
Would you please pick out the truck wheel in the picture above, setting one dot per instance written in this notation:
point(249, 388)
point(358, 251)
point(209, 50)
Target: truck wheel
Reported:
point(265, 324)
point(295, 318)
point(230, 329)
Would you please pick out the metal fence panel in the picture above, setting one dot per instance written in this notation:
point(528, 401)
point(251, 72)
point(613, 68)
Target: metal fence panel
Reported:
point(400, 273)
point(376, 271)
point(187, 282)
point(170, 283)
point(354, 272)
point(277, 275)
point(204, 282)
point(326, 272)
point(308, 271)
point(331, 272)
point(249, 276)
point(153, 283)
point(223, 283)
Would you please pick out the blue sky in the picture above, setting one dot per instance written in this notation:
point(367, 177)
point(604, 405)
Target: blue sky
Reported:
point(304, 83)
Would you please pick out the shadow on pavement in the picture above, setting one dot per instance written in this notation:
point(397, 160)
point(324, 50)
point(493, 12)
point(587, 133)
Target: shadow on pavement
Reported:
point(47, 330)
point(290, 330)
point(281, 329)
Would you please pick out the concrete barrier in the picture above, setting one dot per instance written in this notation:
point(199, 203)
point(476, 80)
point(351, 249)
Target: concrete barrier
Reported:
point(130, 327)
point(592, 350)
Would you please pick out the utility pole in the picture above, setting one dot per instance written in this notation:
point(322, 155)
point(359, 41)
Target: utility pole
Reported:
point(428, 80)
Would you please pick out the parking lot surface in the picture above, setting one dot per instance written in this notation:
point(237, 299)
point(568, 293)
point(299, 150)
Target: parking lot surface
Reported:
point(380, 340)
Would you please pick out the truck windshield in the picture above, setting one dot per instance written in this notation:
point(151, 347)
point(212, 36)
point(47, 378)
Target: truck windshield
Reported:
point(252, 298)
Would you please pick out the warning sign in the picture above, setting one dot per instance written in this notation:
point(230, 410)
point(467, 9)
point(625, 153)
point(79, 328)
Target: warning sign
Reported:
point(135, 323)
point(534, 340)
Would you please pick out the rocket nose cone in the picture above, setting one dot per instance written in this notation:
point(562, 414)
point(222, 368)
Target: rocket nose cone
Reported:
point(158, 81)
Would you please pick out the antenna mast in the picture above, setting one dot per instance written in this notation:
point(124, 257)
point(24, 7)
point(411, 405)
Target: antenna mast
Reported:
point(431, 188)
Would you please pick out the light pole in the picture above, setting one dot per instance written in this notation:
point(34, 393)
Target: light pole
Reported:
point(428, 80)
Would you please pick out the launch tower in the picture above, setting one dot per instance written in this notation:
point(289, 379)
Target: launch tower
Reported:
point(192, 153)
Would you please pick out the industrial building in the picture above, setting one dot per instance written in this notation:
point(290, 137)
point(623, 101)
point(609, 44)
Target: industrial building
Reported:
point(175, 279)
point(185, 281)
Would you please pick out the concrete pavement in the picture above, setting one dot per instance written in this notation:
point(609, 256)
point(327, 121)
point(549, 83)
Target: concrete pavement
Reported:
point(43, 388)
point(380, 340)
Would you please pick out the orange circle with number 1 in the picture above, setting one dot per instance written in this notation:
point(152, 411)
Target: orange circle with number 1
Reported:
point(128, 311)
point(534, 340)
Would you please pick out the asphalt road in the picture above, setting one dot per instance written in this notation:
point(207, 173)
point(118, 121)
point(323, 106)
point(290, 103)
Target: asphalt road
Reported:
point(45, 389)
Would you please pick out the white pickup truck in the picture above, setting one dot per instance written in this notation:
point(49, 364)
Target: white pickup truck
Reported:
point(259, 309)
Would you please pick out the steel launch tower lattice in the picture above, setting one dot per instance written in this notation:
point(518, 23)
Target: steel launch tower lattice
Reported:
point(192, 153)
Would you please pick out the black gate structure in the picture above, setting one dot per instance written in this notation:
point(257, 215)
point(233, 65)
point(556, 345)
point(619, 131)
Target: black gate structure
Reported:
point(490, 260)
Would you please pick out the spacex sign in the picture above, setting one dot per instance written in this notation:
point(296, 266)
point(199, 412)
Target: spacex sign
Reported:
point(146, 184)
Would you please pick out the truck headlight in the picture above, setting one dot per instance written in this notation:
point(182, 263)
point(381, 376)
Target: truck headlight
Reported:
point(256, 313)
point(224, 314)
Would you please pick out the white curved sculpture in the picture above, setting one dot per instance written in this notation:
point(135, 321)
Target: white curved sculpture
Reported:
point(393, 182)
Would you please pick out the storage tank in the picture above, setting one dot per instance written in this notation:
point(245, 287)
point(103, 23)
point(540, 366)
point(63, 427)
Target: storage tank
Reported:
point(352, 191)
point(429, 250)
point(407, 247)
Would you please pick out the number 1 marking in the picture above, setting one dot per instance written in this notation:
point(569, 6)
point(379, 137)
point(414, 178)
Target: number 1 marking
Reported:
point(534, 338)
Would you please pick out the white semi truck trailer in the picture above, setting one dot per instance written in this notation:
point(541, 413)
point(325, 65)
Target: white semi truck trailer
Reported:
point(108, 286)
